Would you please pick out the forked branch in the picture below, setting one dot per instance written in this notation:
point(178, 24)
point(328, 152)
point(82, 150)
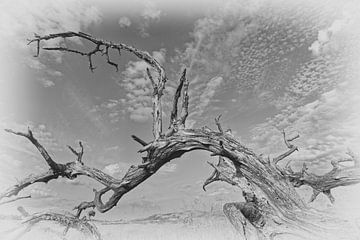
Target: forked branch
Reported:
point(78, 154)
point(237, 165)
point(29, 135)
point(338, 176)
point(69, 170)
point(103, 47)
point(223, 171)
point(292, 148)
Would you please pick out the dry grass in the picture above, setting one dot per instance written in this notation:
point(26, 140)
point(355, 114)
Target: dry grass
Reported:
point(174, 226)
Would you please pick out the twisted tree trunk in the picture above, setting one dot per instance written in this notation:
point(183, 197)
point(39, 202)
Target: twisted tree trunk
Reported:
point(272, 207)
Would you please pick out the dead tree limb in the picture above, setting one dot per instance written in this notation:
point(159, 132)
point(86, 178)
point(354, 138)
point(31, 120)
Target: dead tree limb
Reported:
point(103, 46)
point(292, 148)
point(29, 135)
point(64, 219)
point(269, 190)
point(15, 199)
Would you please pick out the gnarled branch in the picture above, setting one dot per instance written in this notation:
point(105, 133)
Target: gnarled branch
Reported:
point(258, 179)
point(158, 86)
point(218, 124)
point(338, 176)
point(292, 148)
point(223, 171)
point(65, 219)
point(29, 135)
point(78, 154)
point(69, 170)
point(15, 199)
point(174, 112)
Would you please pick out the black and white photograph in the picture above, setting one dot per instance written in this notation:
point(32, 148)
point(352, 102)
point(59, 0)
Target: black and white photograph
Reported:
point(180, 119)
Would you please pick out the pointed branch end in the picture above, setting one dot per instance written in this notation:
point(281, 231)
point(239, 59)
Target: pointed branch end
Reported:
point(151, 78)
point(218, 124)
point(139, 140)
point(9, 130)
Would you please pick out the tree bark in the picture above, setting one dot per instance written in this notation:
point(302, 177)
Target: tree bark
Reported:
point(272, 206)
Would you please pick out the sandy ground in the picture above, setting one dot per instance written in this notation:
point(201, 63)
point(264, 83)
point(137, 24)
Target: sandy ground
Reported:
point(171, 227)
point(201, 229)
point(188, 224)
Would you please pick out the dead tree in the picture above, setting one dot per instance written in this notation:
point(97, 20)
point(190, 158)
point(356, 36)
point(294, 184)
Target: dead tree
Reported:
point(272, 207)
point(65, 219)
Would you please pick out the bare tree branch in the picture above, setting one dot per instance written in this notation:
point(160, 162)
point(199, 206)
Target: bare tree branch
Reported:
point(220, 173)
point(139, 140)
point(338, 176)
point(292, 149)
point(67, 220)
point(29, 135)
point(185, 101)
point(218, 124)
point(268, 190)
point(158, 86)
point(174, 112)
point(152, 81)
point(15, 199)
point(106, 53)
point(69, 170)
point(31, 179)
point(78, 154)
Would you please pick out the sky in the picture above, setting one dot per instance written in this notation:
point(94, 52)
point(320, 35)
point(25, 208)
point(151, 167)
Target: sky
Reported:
point(264, 65)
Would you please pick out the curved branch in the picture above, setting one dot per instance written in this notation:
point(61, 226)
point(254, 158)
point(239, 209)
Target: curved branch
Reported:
point(338, 176)
point(67, 220)
point(31, 179)
point(292, 148)
point(223, 171)
point(69, 170)
point(15, 199)
point(143, 55)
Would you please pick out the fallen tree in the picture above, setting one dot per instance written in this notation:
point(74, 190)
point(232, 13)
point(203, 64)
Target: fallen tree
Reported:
point(272, 207)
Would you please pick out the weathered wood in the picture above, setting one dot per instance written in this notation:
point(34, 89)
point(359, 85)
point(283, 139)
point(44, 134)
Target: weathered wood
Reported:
point(272, 206)
point(64, 219)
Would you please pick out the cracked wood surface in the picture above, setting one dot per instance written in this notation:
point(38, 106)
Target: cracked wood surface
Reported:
point(262, 179)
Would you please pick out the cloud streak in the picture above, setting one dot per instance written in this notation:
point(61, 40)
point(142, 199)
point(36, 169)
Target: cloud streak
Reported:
point(137, 102)
point(151, 13)
point(124, 22)
point(22, 19)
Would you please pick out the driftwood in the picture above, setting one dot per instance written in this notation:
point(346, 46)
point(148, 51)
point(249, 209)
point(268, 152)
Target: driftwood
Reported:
point(65, 219)
point(272, 206)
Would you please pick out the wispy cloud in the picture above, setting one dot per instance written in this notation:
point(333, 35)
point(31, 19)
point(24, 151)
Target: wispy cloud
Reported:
point(168, 168)
point(330, 39)
point(40, 131)
point(10, 167)
point(116, 169)
point(138, 97)
point(207, 95)
point(151, 13)
point(42, 191)
point(22, 19)
point(327, 126)
point(124, 22)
